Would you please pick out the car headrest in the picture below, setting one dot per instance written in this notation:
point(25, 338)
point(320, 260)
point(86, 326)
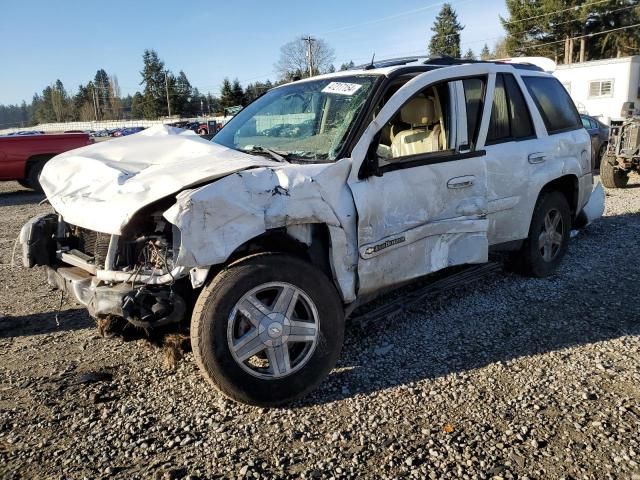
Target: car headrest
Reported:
point(418, 111)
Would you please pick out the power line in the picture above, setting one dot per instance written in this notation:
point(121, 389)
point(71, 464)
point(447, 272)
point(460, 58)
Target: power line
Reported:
point(577, 7)
point(555, 24)
point(589, 35)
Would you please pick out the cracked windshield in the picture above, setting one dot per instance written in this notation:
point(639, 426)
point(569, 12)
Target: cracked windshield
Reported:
point(303, 120)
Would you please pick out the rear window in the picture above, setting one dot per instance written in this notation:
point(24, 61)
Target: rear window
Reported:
point(554, 103)
point(510, 119)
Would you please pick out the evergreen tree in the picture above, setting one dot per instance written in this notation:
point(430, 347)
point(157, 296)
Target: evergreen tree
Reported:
point(226, 94)
point(137, 106)
point(347, 66)
point(213, 105)
point(102, 86)
point(469, 55)
point(83, 103)
point(153, 79)
point(446, 33)
point(238, 93)
point(543, 28)
point(183, 95)
point(485, 53)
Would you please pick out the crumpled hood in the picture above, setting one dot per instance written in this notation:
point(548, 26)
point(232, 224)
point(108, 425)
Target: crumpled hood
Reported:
point(101, 186)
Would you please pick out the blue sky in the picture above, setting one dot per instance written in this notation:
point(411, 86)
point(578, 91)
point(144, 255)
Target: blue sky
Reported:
point(41, 41)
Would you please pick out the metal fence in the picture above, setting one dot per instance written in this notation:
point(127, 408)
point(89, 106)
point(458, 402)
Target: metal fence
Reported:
point(107, 124)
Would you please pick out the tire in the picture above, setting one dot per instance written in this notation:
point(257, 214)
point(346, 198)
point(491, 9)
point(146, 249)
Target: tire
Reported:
point(33, 176)
point(23, 183)
point(540, 256)
point(601, 153)
point(220, 326)
point(610, 175)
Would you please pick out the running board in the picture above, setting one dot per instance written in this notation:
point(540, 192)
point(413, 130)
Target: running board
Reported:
point(459, 279)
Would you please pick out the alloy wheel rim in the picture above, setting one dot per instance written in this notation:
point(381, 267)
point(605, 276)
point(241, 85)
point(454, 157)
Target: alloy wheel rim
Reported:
point(273, 330)
point(551, 235)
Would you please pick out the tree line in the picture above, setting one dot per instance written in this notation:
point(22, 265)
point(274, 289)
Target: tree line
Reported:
point(565, 30)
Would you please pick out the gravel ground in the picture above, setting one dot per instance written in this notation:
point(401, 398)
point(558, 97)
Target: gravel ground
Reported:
point(508, 378)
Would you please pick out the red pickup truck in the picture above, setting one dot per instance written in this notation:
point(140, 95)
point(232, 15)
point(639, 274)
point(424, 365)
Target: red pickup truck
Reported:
point(23, 156)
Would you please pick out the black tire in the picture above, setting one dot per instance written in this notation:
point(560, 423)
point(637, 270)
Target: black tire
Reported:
point(33, 176)
point(610, 175)
point(211, 317)
point(601, 153)
point(23, 183)
point(532, 260)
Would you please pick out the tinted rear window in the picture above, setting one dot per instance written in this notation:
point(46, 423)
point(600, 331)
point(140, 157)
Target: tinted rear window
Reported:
point(554, 103)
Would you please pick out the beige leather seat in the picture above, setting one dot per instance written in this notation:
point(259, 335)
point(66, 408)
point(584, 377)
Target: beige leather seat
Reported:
point(423, 136)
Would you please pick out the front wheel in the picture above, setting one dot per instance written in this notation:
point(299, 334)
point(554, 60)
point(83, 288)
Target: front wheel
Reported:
point(548, 238)
point(267, 329)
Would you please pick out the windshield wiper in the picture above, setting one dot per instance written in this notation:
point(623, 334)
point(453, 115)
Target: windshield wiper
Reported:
point(272, 153)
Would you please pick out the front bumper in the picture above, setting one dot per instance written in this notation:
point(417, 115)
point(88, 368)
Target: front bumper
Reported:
point(145, 300)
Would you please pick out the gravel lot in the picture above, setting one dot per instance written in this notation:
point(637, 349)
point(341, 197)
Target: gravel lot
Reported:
point(508, 378)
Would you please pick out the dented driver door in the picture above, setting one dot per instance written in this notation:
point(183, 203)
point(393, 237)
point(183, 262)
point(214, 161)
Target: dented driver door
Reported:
point(421, 201)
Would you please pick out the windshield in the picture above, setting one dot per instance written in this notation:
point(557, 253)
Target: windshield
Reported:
point(304, 120)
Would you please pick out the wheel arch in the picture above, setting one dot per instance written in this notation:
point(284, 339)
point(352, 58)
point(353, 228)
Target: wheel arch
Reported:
point(310, 242)
point(36, 159)
point(569, 186)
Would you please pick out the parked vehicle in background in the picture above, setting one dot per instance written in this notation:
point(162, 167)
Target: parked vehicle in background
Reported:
point(25, 133)
point(130, 131)
point(599, 133)
point(22, 157)
point(623, 153)
point(312, 200)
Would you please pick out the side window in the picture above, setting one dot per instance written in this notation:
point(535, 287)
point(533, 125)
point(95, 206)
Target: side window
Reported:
point(521, 124)
point(510, 117)
point(421, 126)
point(474, 89)
point(554, 103)
point(585, 123)
point(499, 122)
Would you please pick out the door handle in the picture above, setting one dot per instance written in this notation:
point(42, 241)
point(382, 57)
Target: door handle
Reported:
point(460, 182)
point(537, 157)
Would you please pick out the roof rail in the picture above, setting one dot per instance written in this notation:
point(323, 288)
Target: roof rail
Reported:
point(390, 62)
point(445, 60)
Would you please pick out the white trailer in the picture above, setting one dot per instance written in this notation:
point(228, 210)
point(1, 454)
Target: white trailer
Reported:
point(600, 87)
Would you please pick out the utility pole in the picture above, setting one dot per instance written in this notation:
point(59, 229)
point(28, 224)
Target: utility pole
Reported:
point(95, 102)
point(309, 41)
point(166, 85)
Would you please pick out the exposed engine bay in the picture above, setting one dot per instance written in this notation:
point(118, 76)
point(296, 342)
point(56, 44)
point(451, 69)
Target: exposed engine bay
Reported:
point(130, 275)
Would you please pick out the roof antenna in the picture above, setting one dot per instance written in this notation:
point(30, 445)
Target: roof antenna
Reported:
point(371, 65)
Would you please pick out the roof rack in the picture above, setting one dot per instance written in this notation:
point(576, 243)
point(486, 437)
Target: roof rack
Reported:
point(446, 61)
point(389, 62)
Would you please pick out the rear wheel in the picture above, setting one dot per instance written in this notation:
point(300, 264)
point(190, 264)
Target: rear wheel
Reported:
point(611, 175)
point(267, 329)
point(33, 176)
point(548, 238)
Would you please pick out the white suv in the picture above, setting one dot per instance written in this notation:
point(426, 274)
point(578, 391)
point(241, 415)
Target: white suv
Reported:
point(314, 198)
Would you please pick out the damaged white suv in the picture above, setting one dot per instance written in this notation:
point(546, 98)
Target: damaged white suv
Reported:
point(314, 198)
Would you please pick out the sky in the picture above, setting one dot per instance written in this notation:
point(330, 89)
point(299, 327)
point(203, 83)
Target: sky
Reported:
point(43, 40)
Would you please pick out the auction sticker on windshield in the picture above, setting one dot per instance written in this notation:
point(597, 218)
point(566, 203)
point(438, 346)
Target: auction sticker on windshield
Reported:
point(342, 88)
